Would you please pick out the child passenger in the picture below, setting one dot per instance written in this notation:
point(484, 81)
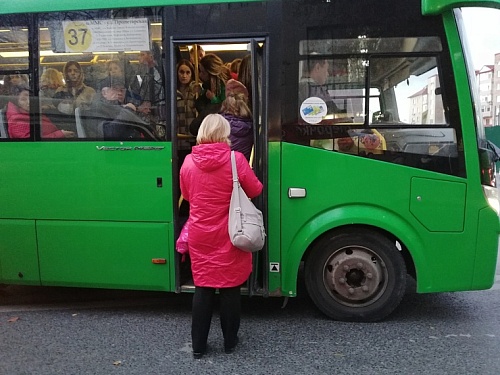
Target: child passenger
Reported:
point(235, 110)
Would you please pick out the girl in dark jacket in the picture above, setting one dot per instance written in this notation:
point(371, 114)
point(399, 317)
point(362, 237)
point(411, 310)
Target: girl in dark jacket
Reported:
point(236, 112)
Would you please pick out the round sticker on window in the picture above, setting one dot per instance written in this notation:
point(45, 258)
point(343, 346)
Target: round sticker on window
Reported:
point(313, 110)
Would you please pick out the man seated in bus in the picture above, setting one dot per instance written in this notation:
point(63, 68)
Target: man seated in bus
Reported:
point(111, 117)
point(316, 106)
point(313, 83)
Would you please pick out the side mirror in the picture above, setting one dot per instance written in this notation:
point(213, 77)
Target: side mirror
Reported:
point(377, 116)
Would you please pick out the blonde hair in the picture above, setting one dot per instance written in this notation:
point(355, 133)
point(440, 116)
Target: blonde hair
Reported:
point(236, 105)
point(52, 76)
point(214, 129)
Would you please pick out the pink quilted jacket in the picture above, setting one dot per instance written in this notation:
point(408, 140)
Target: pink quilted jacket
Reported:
point(206, 182)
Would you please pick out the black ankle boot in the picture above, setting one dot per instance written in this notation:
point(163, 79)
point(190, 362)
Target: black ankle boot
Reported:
point(198, 355)
point(230, 349)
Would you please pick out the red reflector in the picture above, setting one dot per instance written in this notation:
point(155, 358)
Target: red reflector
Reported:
point(159, 261)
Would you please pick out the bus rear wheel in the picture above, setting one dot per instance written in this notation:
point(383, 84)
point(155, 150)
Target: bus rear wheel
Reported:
point(355, 275)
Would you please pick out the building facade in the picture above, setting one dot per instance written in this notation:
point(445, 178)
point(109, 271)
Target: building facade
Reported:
point(488, 81)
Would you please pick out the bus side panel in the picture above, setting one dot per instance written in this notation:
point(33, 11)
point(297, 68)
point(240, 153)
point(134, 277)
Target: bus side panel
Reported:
point(107, 203)
point(104, 254)
point(487, 244)
point(337, 180)
point(18, 255)
point(106, 181)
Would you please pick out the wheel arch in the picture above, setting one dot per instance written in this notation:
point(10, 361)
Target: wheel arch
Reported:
point(377, 219)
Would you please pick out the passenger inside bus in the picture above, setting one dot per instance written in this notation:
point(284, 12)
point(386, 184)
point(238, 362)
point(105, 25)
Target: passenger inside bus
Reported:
point(18, 118)
point(111, 117)
point(187, 90)
point(75, 94)
point(235, 110)
point(245, 77)
point(115, 70)
point(10, 81)
point(234, 66)
point(147, 86)
point(201, 53)
point(313, 83)
point(114, 92)
point(214, 74)
point(50, 81)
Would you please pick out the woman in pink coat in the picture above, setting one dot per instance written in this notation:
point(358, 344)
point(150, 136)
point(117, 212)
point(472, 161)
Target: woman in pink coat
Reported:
point(18, 118)
point(206, 182)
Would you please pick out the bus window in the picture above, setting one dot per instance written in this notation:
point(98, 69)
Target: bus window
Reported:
point(13, 65)
point(117, 91)
point(412, 116)
point(401, 120)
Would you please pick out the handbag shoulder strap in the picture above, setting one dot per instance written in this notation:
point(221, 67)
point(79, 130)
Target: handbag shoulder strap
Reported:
point(236, 187)
point(233, 167)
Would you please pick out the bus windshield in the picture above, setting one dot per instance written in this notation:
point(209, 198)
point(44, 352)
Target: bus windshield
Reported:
point(471, 74)
point(484, 85)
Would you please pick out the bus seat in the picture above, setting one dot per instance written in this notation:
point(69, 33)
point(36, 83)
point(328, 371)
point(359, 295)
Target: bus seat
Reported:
point(4, 133)
point(80, 130)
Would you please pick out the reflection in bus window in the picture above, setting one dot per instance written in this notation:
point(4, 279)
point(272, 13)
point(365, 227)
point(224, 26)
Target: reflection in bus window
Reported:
point(389, 107)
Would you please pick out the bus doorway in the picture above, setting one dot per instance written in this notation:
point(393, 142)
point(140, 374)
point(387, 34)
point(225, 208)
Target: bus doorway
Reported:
point(246, 61)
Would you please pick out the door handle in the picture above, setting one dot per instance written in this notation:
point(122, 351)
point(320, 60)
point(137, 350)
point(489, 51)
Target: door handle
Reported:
point(296, 193)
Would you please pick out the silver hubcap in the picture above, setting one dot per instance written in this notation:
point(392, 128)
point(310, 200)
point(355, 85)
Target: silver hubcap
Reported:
point(355, 276)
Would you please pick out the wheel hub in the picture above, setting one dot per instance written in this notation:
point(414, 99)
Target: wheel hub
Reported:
point(355, 274)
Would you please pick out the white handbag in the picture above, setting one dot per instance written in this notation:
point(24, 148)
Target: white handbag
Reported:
point(246, 223)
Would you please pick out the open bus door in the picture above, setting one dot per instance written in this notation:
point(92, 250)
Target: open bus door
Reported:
point(258, 282)
point(228, 50)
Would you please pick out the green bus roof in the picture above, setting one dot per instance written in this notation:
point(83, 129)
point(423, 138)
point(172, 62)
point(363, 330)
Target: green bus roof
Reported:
point(432, 7)
point(29, 6)
point(429, 7)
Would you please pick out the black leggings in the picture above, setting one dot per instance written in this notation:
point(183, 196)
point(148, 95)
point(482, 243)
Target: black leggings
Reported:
point(203, 306)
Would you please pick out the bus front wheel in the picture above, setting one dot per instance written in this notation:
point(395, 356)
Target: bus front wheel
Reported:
point(355, 275)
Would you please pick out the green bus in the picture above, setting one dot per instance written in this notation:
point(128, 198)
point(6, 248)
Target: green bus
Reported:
point(398, 179)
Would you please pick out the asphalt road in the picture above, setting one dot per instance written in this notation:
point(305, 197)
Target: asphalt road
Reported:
point(78, 331)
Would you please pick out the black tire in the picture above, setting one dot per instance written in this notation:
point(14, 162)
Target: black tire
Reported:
point(355, 275)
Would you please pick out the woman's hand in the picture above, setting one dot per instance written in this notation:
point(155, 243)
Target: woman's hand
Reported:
point(68, 134)
point(145, 108)
point(196, 88)
point(131, 106)
point(209, 94)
